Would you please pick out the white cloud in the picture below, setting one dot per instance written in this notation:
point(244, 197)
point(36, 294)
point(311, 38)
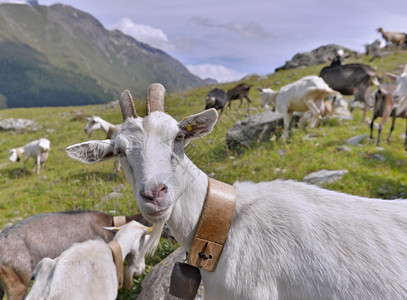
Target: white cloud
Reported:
point(218, 72)
point(29, 2)
point(144, 33)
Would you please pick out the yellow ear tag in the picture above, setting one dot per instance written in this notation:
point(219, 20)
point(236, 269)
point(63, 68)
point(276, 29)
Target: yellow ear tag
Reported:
point(189, 127)
point(149, 229)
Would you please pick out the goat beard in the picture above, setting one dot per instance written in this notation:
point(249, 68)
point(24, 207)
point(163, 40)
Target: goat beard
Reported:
point(154, 239)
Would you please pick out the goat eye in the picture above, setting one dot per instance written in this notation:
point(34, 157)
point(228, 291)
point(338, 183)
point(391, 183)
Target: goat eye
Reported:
point(120, 152)
point(179, 137)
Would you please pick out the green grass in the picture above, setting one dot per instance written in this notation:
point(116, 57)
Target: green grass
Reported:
point(66, 184)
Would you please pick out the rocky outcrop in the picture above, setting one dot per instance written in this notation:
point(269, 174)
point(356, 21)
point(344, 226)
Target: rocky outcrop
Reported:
point(320, 55)
point(156, 284)
point(257, 128)
point(324, 176)
point(17, 124)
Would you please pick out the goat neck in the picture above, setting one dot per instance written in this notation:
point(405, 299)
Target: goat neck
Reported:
point(187, 210)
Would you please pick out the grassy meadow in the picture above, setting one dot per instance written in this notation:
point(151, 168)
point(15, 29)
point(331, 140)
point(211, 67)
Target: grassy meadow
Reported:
point(66, 184)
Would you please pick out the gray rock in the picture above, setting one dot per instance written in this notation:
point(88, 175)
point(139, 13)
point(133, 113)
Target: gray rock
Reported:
point(343, 148)
point(379, 157)
point(320, 55)
point(341, 110)
point(17, 124)
point(156, 284)
point(257, 128)
point(324, 176)
point(355, 141)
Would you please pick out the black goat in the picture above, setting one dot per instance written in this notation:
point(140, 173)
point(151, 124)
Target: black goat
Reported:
point(351, 79)
point(217, 99)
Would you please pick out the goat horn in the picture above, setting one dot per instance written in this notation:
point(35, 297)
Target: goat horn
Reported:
point(127, 105)
point(155, 98)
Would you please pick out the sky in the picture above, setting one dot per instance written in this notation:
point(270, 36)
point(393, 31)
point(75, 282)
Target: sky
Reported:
point(228, 39)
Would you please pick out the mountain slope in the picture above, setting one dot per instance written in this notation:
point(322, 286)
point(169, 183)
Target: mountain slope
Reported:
point(59, 55)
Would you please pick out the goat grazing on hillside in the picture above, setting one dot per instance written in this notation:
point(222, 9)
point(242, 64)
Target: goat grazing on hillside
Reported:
point(351, 79)
point(391, 37)
point(240, 91)
point(38, 150)
point(48, 235)
point(87, 270)
point(216, 99)
point(111, 130)
point(385, 107)
point(307, 93)
point(400, 92)
point(288, 240)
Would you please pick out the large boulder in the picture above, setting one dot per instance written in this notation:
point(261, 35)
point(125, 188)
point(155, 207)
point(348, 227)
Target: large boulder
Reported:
point(156, 284)
point(17, 124)
point(320, 55)
point(256, 128)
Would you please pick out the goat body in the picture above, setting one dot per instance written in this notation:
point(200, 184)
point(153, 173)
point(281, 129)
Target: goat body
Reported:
point(307, 93)
point(391, 37)
point(240, 91)
point(24, 244)
point(38, 150)
point(288, 240)
point(384, 107)
point(86, 270)
point(351, 79)
point(217, 99)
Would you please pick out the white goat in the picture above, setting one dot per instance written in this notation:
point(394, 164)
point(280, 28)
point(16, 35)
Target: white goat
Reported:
point(307, 93)
point(87, 270)
point(400, 92)
point(38, 149)
point(111, 130)
point(288, 240)
point(391, 37)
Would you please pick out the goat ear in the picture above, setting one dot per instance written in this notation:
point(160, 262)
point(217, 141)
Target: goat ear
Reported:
point(199, 125)
point(91, 151)
point(391, 76)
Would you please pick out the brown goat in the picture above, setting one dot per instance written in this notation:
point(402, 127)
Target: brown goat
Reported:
point(385, 107)
point(24, 244)
point(240, 91)
point(396, 38)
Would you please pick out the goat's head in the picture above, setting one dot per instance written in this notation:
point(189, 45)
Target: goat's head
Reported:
point(400, 92)
point(13, 155)
point(151, 150)
point(268, 97)
point(93, 124)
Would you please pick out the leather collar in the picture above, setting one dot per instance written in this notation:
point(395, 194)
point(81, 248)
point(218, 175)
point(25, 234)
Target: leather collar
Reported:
point(18, 153)
point(214, 224)
point(118, 261)
point(119, 221)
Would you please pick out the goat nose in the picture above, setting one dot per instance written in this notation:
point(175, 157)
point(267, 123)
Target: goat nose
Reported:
point(156, 193)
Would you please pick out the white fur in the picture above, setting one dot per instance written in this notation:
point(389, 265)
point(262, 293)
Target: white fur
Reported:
point(38, 150)
point(86, 270)
point(307, 93)
point(400, 92)
point(288, 240)
point(97, 123)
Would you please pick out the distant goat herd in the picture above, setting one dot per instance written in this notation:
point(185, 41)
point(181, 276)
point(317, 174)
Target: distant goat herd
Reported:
point(288, 240)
